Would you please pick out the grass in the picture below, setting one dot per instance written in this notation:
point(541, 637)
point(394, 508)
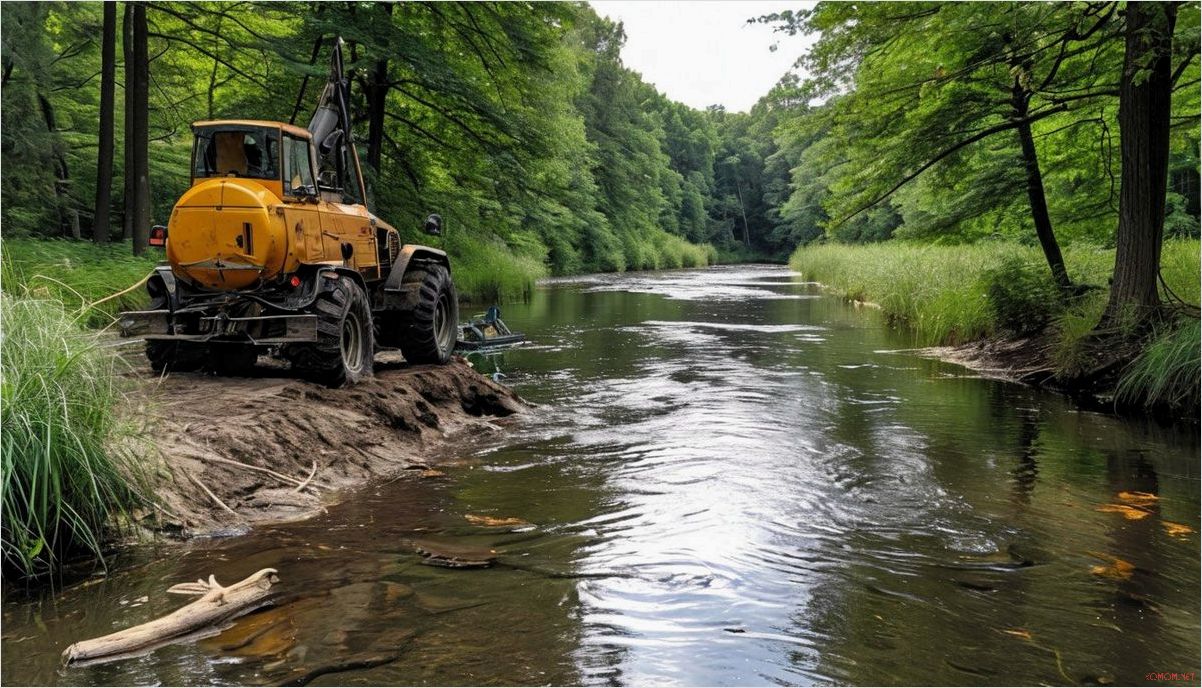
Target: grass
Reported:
point(65, 472)
point(954, 294)
point(1167, 373)
point(490, 272)
point(941, 292)
point(76, 273)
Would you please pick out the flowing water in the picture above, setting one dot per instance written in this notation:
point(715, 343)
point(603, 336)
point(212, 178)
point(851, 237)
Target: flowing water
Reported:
point(730, 479)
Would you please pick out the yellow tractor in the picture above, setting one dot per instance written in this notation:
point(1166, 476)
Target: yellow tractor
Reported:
point(273, 250)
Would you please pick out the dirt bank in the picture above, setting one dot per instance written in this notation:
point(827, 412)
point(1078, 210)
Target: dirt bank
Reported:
point(1028, 361)
point(1013, 360)
point(238, 451)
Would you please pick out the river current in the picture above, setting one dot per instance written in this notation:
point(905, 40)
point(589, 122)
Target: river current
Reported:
point(730, 478)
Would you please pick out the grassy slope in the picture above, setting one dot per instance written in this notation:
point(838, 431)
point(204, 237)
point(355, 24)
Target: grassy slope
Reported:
point(940, 293)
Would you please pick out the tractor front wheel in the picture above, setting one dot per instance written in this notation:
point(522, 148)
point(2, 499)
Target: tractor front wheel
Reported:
point(429, 328)
point(343, 353)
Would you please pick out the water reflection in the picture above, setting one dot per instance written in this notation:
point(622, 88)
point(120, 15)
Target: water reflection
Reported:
point(732, 481)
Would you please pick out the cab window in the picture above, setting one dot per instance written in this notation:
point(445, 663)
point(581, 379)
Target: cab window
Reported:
point(298, 168)
point(240, 152)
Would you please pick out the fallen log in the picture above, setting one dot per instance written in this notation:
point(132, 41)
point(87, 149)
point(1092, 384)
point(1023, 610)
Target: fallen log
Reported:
point(217, 605)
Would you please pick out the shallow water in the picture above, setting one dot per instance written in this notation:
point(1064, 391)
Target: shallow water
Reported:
point(731, 479)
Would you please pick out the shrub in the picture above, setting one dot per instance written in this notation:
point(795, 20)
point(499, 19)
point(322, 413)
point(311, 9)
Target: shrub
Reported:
point(1022, 296)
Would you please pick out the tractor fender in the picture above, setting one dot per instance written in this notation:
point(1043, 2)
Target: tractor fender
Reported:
point(162, 282)
point(409, 253)
point(324, 275)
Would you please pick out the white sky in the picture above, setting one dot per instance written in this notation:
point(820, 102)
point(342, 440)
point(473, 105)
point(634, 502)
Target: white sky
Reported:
point(703, 52)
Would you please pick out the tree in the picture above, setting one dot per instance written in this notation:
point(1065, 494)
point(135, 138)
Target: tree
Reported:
point(127, 55)
point(930, 81)
point(104, 158)
point(1145, 107)
point(138, 135)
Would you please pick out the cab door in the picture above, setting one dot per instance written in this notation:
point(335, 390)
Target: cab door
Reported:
point(302, 217)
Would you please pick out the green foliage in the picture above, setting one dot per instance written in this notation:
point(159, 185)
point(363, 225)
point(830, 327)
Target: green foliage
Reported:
point(1022, 295)
point(1167, 373)
point(921, 101)
point(65, 468)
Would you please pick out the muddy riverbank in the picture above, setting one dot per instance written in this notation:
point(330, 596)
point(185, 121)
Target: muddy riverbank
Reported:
point(235, 451)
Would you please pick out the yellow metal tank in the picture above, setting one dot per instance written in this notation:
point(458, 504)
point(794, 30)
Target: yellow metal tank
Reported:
point(224, 234)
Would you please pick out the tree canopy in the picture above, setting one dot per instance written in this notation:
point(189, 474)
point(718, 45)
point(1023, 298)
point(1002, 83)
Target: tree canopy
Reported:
point(520, 124)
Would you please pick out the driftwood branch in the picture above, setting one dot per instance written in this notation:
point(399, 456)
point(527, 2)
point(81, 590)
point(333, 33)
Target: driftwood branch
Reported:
point(217, 605)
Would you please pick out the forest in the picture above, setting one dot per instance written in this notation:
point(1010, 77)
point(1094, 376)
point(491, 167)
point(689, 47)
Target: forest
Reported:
point(1018, 170)
point(521, 125)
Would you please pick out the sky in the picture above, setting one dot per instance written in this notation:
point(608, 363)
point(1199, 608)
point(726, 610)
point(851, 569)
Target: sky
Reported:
point(703, 52)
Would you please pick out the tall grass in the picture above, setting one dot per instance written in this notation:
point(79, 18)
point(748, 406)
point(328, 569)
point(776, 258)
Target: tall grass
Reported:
point(65, 471)
point(940, 293)
point(1167, 373)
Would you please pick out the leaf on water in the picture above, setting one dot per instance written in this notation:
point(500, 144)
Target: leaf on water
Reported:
point(1130, 513)
point(1017, 633)
point(1138, 498)
point(1116, 569)
point(492, 522)
point(1176, 529)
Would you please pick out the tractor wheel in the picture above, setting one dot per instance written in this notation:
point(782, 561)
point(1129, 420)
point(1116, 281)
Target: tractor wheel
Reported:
point(429, 329)
point(235, 360)
point(343, 354)
point(176, 356)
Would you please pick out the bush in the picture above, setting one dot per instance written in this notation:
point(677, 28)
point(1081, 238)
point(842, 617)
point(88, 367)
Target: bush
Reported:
point(64, 469)
point(1022, 296)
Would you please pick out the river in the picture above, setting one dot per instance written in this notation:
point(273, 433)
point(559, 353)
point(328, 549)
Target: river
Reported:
point(730, 479)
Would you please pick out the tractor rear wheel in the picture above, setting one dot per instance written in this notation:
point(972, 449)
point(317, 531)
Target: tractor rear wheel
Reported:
point(429, 329)
point(343, 353)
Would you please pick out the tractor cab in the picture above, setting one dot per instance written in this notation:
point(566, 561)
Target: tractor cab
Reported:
point(280, 157)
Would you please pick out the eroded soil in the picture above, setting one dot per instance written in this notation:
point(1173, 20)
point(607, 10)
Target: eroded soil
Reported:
point(237, 451)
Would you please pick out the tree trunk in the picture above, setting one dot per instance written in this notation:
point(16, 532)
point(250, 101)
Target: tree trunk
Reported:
point(139, 136)
point(104, 160)
point(743, 211)
point(62, 174)
point(377, 97)
point(127, 194)
point(1145, 96)
point(1020, 104)
point(1039, 209)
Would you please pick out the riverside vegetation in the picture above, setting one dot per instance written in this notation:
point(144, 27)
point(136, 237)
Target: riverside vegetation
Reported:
point(964, 165)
